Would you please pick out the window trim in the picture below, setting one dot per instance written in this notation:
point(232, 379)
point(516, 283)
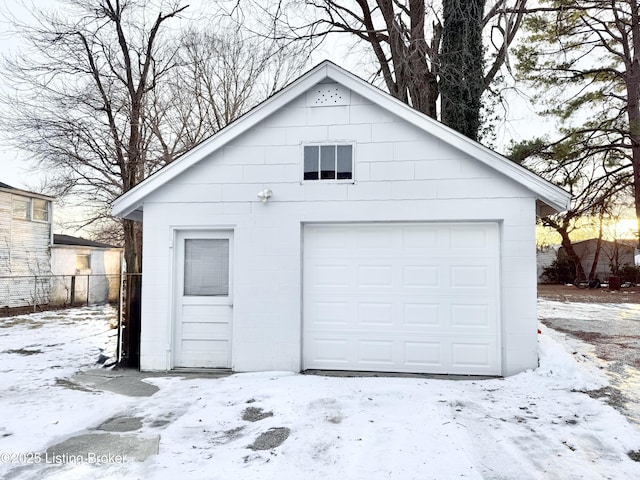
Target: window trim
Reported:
point(87, 256)
point(47, 209)
point(30, 217)
point(27, 201)
point(333, 143)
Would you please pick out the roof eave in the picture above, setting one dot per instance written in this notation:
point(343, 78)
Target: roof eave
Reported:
point(130, 204)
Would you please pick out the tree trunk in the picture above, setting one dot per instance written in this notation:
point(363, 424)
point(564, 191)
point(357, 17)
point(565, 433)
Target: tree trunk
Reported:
point(132, 314)
point(633, 106)
point(573, 256)
point(596, 255)
point(461, 70)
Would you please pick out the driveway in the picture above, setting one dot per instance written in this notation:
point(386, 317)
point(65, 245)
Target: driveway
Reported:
point(613, 332)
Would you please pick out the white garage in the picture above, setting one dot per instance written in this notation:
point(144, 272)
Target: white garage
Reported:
point(336, 228)
point(402, 298)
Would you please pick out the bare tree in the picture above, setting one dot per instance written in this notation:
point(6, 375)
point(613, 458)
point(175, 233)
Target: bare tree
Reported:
point(108, 93)
point(593, 176)
point(584, 59)
point(221, 73)
point(83, 112)
point(418, 53)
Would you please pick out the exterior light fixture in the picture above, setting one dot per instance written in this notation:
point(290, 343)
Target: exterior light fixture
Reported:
point(265, 195)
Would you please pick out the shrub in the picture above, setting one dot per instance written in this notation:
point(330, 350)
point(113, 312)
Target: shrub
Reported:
point(561, 270)
point(629, 273)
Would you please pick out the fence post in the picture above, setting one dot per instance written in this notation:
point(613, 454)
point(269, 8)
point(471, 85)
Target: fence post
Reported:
point(88, 290)
point(120, 317)
point(35, 293)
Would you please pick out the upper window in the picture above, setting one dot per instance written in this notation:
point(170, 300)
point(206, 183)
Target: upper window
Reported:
point(40, 210)
point(31, 209)
point(328, 162)
point(21, 208)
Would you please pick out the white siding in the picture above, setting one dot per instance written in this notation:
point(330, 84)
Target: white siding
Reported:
point(24, 252)
point(402, 174)
point(102, 278)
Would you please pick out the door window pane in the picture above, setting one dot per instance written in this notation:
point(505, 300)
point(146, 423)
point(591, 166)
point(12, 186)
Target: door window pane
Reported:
point(206, 267)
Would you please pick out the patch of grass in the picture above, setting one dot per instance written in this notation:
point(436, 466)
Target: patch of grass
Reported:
point(634, 455)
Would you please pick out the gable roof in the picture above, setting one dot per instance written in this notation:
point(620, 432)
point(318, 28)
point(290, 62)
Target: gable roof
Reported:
point(129, 205)
point(59, 239)
point(8, 188)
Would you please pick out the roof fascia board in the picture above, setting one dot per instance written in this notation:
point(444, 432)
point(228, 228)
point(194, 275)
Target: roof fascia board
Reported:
point(130, 201)
point(551, 194)
point(25, 193)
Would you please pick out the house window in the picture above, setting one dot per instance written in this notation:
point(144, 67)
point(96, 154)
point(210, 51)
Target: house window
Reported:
point(40, 210)
point(83, 262)
point(31, 209)
point(21, 208)
point(328, 162)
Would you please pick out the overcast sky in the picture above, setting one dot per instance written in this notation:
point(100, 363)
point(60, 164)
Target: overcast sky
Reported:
point(17, 171)
point(13, 171)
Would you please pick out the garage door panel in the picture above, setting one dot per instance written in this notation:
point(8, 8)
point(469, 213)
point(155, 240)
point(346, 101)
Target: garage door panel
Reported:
point(403, 297)
point(421, 276)
point(330, 352)
point(421, 315)
point(433, 355)
point(376, 314)
point(331, 313)
point(375, 276)
point(415, 314)
point(423, 354)
point(331, 275)
point(472, 354)
point(375, 353)
point(470, 316)
point(417, 237)
point(372, 238)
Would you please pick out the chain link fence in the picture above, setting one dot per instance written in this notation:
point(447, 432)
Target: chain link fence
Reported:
point(41, 292)
point(23, 294)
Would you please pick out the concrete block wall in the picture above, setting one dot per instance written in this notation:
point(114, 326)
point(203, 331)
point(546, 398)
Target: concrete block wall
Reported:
point(401, 174)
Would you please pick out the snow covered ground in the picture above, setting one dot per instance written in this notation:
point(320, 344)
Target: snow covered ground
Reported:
point(536, 425)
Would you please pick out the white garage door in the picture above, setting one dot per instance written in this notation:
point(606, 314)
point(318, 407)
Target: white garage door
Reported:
point(402, 298)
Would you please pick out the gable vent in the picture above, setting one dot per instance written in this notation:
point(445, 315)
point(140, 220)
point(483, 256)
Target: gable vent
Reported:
point(326, 95)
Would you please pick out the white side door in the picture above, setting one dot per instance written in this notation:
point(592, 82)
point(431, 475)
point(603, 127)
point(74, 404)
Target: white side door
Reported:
point(204, 299)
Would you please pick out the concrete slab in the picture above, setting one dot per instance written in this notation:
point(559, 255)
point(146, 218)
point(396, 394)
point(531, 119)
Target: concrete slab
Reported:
point(109, 380)
point(104, 448)
point(131, 382)
point(121, 424)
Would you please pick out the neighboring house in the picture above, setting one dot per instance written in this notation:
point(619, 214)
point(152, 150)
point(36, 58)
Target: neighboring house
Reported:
point(86, 271)
point(25, 238)
point(612, 255)
point(545, 256)
point(333, 227)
